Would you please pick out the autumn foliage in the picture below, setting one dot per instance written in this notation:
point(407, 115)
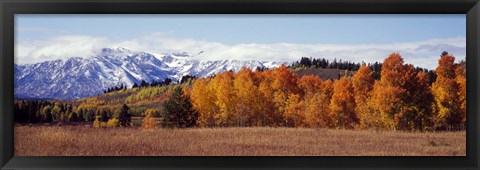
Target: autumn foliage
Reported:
point(391, 96)
point(402, 99)
point(449, 92)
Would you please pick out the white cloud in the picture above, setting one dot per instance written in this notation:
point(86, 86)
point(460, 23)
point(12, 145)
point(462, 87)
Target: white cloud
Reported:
point(421, 53)
point(58, 48)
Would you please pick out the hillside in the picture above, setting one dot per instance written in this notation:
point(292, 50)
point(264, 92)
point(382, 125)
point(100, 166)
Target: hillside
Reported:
point(138, 99)
point(323, 73)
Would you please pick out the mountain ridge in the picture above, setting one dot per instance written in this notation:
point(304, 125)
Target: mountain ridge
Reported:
point(78, 77)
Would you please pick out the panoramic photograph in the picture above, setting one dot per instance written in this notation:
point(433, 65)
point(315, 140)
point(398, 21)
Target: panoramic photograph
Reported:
point(240, 85)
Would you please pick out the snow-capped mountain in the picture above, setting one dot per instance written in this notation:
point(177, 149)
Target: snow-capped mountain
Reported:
point(83, 77)
point(188, 66)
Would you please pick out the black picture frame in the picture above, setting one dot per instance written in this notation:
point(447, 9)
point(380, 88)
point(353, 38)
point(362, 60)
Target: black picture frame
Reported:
point(9, 8)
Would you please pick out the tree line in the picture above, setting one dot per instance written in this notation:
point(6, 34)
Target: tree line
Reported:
point(154, 83)
point(401, 99)
point(376, 67)
point(35, 111)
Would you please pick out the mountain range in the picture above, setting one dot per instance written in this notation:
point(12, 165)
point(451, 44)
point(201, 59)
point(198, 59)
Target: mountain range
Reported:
point(78, 77)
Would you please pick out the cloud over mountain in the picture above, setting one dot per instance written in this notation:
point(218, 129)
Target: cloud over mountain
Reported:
point(421, 53)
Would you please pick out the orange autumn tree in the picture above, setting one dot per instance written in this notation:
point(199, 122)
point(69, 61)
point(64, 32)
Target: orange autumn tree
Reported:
point(316, 101)
point(327, 93)
point(363, 85)
point(204, 101)
point(266, 106)
point(284, 83)
point(294, 111)
point(402, 99)
point(462, 83)
point(310, 85)
point(388, 93)
point(416, 111)
point(446, 92)
point(342, 106)
point(422, 100)
point(376, 119)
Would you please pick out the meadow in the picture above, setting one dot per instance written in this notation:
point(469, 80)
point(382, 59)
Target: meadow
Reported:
point(392, 110)
point(83, 140)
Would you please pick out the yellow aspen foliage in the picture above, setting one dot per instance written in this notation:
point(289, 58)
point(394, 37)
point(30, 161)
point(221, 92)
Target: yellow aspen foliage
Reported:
point(266, 105)
point(204, 101)
point(284, 83)
point(316, 101)
point(246, 92)
point(149, 121)
point(317, 111)
point(362, 83)
point(97, 123)
point(114, 122)
point(462, 83)
point(151, 113)
point(327, 90)
point(342, 106)
point(310, 84)
point(327, 93)
point(378, 119)
point(223, 86)
point(294, 111)
point(446, 92)
point(389, 93)
point(393, 71)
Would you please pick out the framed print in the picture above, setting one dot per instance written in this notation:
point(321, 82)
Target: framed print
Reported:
point(226, 84)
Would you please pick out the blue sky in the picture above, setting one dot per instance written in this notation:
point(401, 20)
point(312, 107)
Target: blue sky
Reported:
point(233, 29)
point(231, 33)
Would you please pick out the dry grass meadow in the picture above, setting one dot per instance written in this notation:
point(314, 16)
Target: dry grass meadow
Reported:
point(87, 141)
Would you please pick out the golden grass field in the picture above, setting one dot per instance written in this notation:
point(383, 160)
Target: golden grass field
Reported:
point(87, 141)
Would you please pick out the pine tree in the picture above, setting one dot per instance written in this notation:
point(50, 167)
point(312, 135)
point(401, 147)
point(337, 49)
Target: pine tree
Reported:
point(135, 85)
point(32, 112)
point(178, 111)
point(16, 112)
point(123, 115)
point(73, 117)
point(104, 115)
point(144, 84)
point(81, 117)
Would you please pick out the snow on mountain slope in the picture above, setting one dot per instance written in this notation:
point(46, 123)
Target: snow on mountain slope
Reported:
point(84, 77)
